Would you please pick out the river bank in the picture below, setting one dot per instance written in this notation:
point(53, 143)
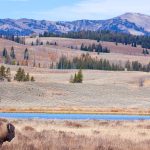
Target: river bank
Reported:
point(79, 110)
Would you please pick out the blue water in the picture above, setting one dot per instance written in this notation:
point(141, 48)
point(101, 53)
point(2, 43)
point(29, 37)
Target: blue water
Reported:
point(72, 116)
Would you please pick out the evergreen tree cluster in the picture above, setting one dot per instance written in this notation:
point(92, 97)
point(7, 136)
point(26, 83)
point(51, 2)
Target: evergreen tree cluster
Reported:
point(145, 52)
point(109, 36)
point(38, 42)
point(5, 74)
point(17, 39)
point(137, 66)
point(78, 77)
point(87, 62)
point(21, 76)
point(95, 48)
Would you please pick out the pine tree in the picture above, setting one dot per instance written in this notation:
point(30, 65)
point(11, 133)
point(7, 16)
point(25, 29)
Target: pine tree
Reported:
point(20, 75)
point(80, 76)
point(32, 79)
point(82, 47)
point(26, 54)
point(27, 78)
point(12, 53)
point(5, 53)
point(8, 75)
point(2, 72)
point(32, 44)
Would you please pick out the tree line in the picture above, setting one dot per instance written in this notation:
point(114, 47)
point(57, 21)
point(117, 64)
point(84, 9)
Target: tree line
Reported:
point(87, 62)
point(109, 36)
point(11, 37)
point(94, 48)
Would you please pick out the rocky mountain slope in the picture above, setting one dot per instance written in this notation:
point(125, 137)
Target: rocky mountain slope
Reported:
point(133, 23)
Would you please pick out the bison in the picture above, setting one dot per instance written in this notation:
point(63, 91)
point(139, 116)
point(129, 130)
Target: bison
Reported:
point(7, 132)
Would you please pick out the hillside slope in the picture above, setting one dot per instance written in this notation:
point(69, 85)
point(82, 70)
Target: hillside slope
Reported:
point(48, 54)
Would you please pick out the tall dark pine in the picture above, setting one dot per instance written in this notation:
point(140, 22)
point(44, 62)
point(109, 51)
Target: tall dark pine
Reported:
point(5, 53)
point(12, 53)
point(26, 54)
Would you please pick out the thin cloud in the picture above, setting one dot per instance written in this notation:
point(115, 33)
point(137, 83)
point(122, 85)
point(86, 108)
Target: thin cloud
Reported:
point(96, 9)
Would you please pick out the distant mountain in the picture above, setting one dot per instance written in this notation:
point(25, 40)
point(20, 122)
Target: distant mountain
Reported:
point(133, 23)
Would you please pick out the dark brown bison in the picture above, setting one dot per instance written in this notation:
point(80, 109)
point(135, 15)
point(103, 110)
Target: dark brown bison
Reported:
point(7, 132)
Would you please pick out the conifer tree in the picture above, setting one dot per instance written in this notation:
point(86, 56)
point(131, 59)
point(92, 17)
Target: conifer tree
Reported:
point(2, 71)
point(12, 53)
point(26, 54)
point(27, 77)
point(80, 76)
point(5, 53)
point(8, 75)
point(32, 79)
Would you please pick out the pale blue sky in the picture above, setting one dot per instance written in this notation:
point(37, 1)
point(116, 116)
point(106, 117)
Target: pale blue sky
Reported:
point(66, 10)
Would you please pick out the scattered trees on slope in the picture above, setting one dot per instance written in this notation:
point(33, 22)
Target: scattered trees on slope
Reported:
point(109, 36)
point(10, 58)
point(95, 48)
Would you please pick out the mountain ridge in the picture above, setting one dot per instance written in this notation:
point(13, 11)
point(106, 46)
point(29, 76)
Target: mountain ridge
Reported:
point(132, 23)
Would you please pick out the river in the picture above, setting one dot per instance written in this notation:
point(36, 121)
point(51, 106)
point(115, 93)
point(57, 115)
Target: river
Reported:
point(72, 116)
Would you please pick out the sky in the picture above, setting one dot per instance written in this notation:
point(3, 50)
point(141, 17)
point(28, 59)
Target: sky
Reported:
point(68, 10)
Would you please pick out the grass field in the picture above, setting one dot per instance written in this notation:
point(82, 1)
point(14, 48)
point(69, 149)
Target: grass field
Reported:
point(101, 91)
point(79, 135)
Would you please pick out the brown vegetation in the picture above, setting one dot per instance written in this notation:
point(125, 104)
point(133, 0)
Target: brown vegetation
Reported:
point(99, 135)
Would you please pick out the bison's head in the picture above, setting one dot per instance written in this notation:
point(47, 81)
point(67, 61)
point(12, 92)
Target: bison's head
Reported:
point(11, 132)
point(8, 134)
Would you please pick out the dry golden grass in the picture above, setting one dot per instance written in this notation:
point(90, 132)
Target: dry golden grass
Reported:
point(101, 92)
point(79, 135)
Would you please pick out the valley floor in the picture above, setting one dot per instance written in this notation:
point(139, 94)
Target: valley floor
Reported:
point(101, 92)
